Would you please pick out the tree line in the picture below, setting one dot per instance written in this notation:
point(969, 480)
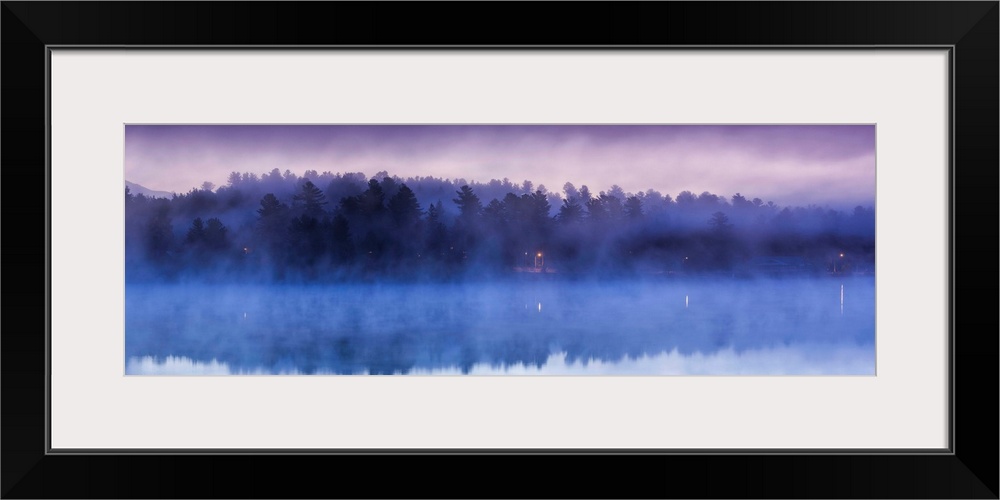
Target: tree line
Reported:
point(280, 226)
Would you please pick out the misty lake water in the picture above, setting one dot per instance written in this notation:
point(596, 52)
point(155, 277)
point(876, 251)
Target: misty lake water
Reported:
point(538, 326)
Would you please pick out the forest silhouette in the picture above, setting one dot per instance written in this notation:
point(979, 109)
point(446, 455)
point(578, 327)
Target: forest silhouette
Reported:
point(337, 227)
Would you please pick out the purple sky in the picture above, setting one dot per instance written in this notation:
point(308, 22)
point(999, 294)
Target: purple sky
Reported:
point(787, 164)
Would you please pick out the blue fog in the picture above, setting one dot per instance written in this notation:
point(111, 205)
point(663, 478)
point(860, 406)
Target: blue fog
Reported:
point(532, 326)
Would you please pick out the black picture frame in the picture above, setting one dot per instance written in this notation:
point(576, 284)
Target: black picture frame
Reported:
point(968, 470)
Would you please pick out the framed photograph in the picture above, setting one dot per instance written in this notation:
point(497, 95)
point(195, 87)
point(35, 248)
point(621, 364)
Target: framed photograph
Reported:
point(718, 253)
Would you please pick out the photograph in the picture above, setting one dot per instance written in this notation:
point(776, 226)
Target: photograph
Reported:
point(500, 249)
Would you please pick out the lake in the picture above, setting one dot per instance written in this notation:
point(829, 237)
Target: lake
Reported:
point(531, 326)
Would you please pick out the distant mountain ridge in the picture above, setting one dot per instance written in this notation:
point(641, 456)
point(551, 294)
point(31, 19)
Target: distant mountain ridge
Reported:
point(137, 189)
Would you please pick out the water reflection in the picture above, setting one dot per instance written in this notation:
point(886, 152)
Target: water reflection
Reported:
point(754, 327)
point(812, 360)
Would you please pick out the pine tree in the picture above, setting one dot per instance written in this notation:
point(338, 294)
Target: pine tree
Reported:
point(215, 236)
point(404, 208)
point(633, 207)
point(196, 233)
point(269, 205)
point(311, 198)
point(469, 206)
point(570, 213)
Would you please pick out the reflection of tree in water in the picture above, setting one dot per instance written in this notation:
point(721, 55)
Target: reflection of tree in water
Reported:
point(385, 329)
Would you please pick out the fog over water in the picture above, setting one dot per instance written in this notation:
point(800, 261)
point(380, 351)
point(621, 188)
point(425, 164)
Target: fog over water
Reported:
point(524, 325)
point(516, 250)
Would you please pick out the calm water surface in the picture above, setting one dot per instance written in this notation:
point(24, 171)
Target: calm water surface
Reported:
point(772, 326)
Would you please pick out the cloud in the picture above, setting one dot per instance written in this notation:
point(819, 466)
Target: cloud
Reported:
point(786, 164)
